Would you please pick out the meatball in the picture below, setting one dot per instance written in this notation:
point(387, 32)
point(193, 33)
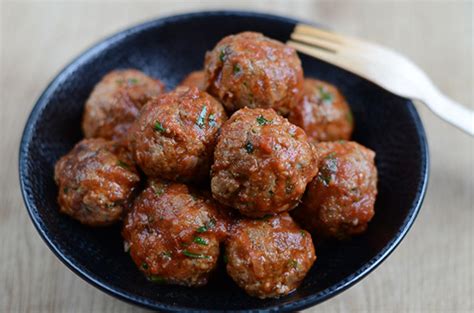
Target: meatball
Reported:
point(174, 136)
point(269, 257)
point(96, 182)
point(251, 70)
point(116, 101)
point(323, 112)
point(262, 163)
point(173, 234)
point(195, 79)
point(339, 202)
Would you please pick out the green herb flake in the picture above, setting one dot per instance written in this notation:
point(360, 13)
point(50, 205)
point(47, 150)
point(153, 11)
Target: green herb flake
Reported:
point(326, 96)
point(159, 127)
point(200, 241)
point(237, 69)
point(349, 117)
point(202, 117)
point(158, 189)
point(132, 81)
point(195, 255)
point(266, 217)
point(222, 55)
point(293, 263)
point(263, 121)
point(123, 164)
point(166, 254)
point(65, 189)
point(302, 233)
point(156, 279)
point(207, 226)
point(212, 120)
point(249, 147)
point(325, 179)
point(202, 229)
point(144, 266)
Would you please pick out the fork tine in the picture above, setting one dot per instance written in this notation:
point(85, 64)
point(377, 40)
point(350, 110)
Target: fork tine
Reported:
point(316, 52)
point(320, 33)
point(315, 41)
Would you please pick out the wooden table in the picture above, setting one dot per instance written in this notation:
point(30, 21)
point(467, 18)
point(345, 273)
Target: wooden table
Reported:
point(431, 271)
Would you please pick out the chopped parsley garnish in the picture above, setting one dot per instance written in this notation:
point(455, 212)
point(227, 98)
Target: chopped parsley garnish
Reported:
point(263, 121)
point(349, 117)
point(293, 263)
point(156, 279)
point(195, 255)
point(237, 69)
point(158, 188)
point(325, 179)
point(249, 147)
point(123, 164)
point(207, 226)
point(212, 120)
point(223, 54)
point(326, 96)
point(144, 266)
point(166, 254)
point(132, 81)
point(159, 127)
point(200, 241)
point(266, 217)
point(303, 233)
point(202, 229)
point(65, 189)
point(202, 117)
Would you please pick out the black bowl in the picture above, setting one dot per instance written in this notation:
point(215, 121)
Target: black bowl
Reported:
point(169, 48)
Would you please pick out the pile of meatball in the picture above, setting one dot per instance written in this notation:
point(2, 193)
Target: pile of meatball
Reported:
point(246, 159)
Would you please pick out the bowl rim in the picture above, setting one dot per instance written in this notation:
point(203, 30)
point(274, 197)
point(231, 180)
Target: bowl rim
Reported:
point(90, 277)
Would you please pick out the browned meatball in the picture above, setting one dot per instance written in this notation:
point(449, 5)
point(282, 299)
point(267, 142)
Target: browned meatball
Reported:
point(115, 102)
point(262, 163)
point(339, 202)
point(96, 181)
point(249, 69)
point(174, 234)
point(195, 79)
point(269, 257)
point(174, 136)
point(323, 112)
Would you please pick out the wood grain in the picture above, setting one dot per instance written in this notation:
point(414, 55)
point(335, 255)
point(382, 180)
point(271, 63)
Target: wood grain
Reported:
point(431, 271)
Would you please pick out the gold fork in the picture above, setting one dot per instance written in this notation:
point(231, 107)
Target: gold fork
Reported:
point(382, 66)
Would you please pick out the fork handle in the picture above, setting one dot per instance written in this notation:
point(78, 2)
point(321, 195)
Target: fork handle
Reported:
point(451, 111)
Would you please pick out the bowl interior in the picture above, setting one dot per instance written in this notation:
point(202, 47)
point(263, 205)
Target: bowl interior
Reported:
point(169, 49)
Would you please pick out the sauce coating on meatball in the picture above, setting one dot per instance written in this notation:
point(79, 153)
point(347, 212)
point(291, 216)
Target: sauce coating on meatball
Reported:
point(173, 234)
point(115, 103)
point(174, 136)
point(269, 257)
point(323, 112)
point(96, 181)
point(251, 70)
point(195, 79)
point(262, 163)
point(339, 202)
